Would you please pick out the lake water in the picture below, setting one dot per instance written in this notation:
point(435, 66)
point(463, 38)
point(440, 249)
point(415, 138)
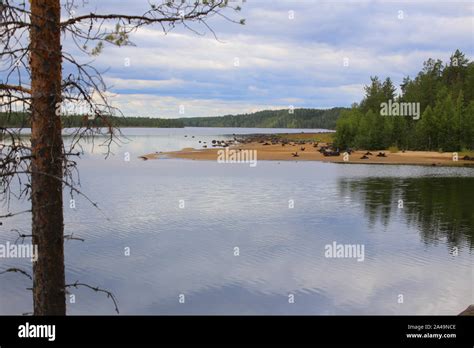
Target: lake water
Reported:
point(183, 220)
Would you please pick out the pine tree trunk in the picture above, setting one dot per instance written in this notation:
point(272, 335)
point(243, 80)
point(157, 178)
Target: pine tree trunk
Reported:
point(47, 151)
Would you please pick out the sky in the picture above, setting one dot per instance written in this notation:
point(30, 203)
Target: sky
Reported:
point(311, 54)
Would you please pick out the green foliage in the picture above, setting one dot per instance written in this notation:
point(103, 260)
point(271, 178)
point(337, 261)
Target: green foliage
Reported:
point(300, 118)
point(445, 94)
point(119, 37)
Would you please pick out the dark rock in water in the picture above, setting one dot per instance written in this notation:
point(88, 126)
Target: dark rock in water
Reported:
point(199, 141)
point(214, 141)
point(143, 158)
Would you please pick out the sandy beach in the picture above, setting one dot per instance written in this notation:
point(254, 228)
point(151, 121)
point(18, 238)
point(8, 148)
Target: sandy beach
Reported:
point(302, 147)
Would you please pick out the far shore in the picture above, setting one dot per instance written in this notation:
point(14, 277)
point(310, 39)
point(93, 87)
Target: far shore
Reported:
point(306, 147)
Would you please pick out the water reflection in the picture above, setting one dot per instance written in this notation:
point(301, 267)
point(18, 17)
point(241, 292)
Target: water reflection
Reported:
point(439, 208)
point(190, 251)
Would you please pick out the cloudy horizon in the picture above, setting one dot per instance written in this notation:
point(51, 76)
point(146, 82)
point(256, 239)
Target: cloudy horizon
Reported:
point(307, 54)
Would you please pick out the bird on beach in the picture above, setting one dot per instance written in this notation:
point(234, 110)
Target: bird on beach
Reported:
point(364, 157)
point(302, 148)
point(295, 154)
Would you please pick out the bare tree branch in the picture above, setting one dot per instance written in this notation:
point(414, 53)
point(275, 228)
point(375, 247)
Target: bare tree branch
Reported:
point(17, 270)
point(15, 88)
point(96, 289)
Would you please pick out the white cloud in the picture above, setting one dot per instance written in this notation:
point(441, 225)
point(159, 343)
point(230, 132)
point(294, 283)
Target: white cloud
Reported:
point(169, 107)
point(283, 60)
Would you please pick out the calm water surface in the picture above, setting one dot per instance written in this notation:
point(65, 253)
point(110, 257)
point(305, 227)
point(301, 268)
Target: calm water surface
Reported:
point(423, 251)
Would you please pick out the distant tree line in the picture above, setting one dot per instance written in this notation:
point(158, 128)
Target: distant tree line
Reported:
point(445, 93)
point(21, 120)
point(286, 118)
point(297, 118)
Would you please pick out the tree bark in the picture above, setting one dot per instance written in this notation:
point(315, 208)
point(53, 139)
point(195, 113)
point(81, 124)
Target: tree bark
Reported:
point(47, 162)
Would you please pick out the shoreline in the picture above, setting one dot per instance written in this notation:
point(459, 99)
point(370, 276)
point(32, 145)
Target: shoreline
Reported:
point(306, 147)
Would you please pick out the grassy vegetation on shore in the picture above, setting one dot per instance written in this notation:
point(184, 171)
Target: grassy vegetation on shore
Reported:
point(314, 137)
